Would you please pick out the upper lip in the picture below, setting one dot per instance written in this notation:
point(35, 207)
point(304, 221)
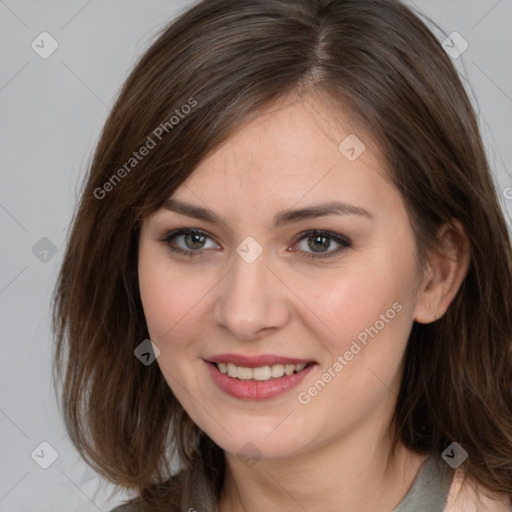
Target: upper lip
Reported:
point(255, 361)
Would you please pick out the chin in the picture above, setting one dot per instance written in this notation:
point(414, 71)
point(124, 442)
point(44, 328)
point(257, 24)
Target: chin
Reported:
point(255, 438)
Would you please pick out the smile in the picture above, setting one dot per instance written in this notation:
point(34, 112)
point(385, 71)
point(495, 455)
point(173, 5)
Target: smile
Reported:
point(257, 382)
point(260, 373)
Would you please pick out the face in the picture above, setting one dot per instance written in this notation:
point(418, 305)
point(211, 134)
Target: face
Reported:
point(333, 292)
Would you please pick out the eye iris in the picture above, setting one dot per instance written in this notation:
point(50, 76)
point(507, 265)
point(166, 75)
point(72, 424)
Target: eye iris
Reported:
point(323, 244)
point(194, 237)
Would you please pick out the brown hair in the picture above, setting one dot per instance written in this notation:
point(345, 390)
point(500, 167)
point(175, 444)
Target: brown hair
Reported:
point(227, 59)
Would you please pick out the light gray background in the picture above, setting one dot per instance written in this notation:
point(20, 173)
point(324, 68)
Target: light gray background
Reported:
point(52, 112)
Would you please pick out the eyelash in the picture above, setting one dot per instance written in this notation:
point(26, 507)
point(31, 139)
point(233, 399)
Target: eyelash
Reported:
point(171, 235)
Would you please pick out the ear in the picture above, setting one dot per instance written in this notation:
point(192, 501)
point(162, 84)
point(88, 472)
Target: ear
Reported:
point(448, 266)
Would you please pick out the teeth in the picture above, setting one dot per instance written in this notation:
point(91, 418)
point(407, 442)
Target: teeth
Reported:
point(243, 373)
point(260, 373)
point(288, 369)
point(232, 370)
point(274, 371)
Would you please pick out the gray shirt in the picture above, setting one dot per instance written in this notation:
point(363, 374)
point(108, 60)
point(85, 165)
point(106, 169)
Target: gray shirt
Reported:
point(430, 489)
point(428, 493)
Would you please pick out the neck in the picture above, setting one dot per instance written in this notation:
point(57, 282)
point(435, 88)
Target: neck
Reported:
point(349, 474)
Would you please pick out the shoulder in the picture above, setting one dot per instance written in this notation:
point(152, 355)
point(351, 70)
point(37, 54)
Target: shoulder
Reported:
point(468, 497)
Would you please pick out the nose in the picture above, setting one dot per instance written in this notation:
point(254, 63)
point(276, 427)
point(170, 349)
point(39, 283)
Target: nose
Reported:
point(251, 300)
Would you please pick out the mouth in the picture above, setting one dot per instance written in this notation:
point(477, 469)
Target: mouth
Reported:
point(259, 373)
point(258, 382)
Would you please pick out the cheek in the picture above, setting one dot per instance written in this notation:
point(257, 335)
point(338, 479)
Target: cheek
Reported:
point(355, 301)
point(158, 303)
point(164, 298)
point(173, 299)
point(370, 303)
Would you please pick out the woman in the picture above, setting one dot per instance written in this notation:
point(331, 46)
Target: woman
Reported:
point(287, 283)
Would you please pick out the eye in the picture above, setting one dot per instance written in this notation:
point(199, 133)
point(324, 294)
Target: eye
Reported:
point(316, 240)
point(194, 240)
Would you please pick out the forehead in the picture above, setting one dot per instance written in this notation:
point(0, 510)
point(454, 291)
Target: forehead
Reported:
point(294, 153)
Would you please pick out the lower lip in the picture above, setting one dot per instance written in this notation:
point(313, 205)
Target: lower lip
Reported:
point(256, 390)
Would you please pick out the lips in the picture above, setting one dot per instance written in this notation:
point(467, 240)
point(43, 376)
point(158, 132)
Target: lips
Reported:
point(255, 361)
point(260, 386)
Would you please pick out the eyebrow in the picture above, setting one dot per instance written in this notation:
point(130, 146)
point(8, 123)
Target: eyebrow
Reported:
point(282, 218)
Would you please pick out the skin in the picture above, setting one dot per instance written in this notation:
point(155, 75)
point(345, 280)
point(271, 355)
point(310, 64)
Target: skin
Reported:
point(331, 453)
